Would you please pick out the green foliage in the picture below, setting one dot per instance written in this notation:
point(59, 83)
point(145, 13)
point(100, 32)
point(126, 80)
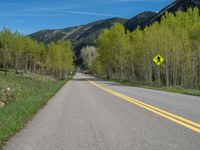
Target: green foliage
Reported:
point(60, 58)
point(23, 53)
point(127, 56)
point(112, 47)
point(26, 93)
point(88, 54)
point(31, 92)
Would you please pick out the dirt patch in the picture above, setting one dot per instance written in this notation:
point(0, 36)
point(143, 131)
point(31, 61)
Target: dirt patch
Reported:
point(6, 96)
point(2, 104)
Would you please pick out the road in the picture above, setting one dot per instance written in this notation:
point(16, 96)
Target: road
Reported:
point(89, 114)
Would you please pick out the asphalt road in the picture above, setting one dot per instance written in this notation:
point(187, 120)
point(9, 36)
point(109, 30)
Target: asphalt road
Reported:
point(87, 115)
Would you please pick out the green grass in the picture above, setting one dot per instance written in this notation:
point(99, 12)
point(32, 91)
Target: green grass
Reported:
point(176, 90)
point(194, 92)
point(29, 93)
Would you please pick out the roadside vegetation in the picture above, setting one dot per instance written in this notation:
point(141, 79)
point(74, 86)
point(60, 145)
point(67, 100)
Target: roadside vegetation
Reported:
point(27, 55)
point(128, 56)
point(23, 96)
point(30, 74)
point(180, 90)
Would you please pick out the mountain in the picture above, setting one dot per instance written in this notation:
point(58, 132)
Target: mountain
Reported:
point(182, 5)
point(86, 34)
point(147, 18)
point(140, 20)
point(80, 36)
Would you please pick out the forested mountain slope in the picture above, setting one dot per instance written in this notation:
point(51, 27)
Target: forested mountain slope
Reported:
point(140, 20)
point(182, 5)
point(80, 35)
point(128, 56)
point(84, 35)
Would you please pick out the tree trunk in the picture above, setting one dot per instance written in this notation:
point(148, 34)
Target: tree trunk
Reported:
point(107, 73)
point(16, 64)
point(167, 73)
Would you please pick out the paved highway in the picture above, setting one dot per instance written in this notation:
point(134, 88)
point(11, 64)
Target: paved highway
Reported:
point(89, 114)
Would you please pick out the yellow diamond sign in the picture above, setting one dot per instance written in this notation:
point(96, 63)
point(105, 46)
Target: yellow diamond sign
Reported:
point(158, 60)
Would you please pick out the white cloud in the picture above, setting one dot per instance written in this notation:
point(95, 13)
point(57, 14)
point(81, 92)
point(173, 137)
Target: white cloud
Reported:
point(52, 11)
point(90, 13)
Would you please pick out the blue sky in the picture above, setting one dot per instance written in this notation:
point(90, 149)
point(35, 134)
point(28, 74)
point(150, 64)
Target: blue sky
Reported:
point(27, 16)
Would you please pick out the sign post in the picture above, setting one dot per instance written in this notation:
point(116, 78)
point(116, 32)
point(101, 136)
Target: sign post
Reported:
point(158, 60)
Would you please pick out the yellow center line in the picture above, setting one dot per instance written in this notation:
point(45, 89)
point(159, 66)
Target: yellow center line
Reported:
point(170, 116)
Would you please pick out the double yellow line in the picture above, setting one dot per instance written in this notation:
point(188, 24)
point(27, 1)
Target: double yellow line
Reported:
point(170, 116)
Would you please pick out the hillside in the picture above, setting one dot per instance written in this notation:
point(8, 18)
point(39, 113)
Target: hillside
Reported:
point(86, 34)
point(80, 35)
point(23, 95)
point(182, 5)
point(139, 20)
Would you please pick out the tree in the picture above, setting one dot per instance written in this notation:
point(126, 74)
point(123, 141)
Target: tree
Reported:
point(22, 52)
point(128, 55)
point(17, 49)
point(6, 41)
point(59, 58)
point(88, 54)
point(109, 51)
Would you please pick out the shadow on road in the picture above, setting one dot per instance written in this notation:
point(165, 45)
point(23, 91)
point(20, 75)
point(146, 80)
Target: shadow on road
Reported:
point(113, 84)
point(96, 79)
point(86, 79)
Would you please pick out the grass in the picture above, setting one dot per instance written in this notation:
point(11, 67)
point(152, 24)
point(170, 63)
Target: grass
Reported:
point(179, 90)
point(194, 92)
point(27, 94)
